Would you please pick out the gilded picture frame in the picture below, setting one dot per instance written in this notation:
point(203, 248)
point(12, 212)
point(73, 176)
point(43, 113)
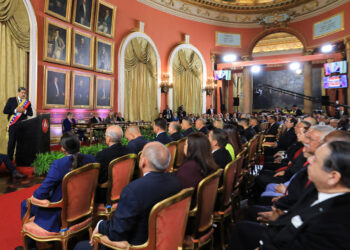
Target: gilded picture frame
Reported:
point(56, 87)
point(83, 13)
point(105, 19)
point(57, 42)
point(104, 92)
point(82, 90)
point(104, 56)
point(83, 50)
point(60, 9)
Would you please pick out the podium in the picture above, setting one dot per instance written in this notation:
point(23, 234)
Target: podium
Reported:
point(33, 136)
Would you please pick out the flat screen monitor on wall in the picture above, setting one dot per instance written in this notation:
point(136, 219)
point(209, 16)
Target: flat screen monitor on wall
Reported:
point(222, 75)
point(332, 82)
point(335, 68)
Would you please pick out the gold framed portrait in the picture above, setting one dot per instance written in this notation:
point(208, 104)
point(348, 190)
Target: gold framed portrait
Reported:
point(104, 92)
point(82, 90)
point(83, 13)
point(104, 56)
point(59, 8)
point(57, 42)
point(83, 50)
point(105, 19)
point(56, 87)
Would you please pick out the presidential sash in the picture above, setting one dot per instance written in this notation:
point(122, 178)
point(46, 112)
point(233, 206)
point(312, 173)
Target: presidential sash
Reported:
point(14, 118)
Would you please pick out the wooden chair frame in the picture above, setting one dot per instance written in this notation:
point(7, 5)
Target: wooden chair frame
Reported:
point(173, 157)
point(178, 160)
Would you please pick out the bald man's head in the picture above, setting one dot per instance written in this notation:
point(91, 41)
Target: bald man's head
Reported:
point(155, 157)
point(132, 132)
point(114, 134)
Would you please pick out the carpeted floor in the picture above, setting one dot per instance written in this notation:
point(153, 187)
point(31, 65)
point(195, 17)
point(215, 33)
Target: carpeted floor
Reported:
point(10, 213)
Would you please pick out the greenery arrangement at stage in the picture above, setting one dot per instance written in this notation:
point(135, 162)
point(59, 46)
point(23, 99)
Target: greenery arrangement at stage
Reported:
point(43, 161)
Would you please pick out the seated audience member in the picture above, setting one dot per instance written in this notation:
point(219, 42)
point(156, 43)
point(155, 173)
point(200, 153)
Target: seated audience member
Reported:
point(296, 111)
point(248, 132)
point(136, 140)
point(111, 118)
point(233, 140)
point(68, 123)
point(130, 220)
point(201, 127)
point(218, 123)
point(343, 124)
point(319, 219)
point(51, 188)
point(334, 123)
point(273, 125)
point(95, 118)
point(11, 167)
point(198, 162)
point(113, 136)
point(175, 117)
point(174, 130)
point(311, 120)
point(186, 125)
point(218, 140)
point(120, 118)
point(159, 127)
point(254, 123)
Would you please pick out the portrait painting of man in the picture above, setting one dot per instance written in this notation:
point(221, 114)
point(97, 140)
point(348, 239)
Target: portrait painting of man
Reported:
point(104, 92)
point(56, 88)
point(57, 45)
point(105, 19)
point(104, 60)
point(59, 8)
point(82, 50)
point(82, 91)
point(83, 13)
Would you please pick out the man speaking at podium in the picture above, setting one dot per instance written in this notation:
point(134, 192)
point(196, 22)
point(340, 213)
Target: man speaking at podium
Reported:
point(17, 108)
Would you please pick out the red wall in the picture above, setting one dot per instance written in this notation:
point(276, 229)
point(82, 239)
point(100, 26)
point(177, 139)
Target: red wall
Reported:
point(167, 32)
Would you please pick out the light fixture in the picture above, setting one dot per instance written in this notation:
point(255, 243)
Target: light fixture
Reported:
point(326, 48)
point(165, 84)
point(294, 66)
point(209, 88)
point(229, 58)
point(255, 69)
point(298, 71)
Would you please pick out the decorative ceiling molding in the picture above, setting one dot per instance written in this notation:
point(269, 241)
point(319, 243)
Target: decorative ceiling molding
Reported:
point(230, 18)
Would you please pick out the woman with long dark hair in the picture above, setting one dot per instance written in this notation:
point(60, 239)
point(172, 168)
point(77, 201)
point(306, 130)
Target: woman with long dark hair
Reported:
point(51, 188)
point(199, 161)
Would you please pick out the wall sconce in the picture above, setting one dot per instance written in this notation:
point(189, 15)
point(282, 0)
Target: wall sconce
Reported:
point(165, 85)
point(209, 88)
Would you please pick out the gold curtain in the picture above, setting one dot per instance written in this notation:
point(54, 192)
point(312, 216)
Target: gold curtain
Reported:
point(140, 96)
point(188, 75)
point(13, 54)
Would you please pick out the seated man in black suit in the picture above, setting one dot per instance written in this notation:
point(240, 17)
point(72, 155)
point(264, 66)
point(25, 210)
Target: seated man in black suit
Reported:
point(248, 132)
point(186, 125)
point(174, 130)
point(159, 127)
point(201, 126)
point(218, 139)
point(120, 118)
point(113, 135)
point(136, 140)
point(95, 118)
point(319, 219)
point(130, 220)
point(254, 123)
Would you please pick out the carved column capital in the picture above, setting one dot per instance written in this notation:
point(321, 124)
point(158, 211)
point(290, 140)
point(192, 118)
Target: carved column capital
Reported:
point(308, 52)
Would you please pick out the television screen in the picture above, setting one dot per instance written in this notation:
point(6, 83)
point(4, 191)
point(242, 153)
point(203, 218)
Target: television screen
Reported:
point(331, 82)
point(222, 75)
point(335, 67)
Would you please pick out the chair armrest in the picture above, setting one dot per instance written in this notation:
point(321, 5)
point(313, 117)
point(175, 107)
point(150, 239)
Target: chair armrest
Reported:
point(26, 217)
point(45, 203)
point(193, 212)
point(104, 240)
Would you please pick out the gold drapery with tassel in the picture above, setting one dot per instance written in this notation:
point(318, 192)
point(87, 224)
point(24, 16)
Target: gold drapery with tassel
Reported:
point(188, 77)
point(140, 96)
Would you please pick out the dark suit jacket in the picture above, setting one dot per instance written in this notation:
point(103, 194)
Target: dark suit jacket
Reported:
point(10, 107)
point(136, 145)
point(165, 114)
point(51, 189)
point(273, 129)
point(120, 119)
point(204, 130)
point(104, 157)
point(188, 131)
point(322, 226)
point(67, 125)
point(286, 140)
point(94, 120)
point(130, 220)
point(163, 138)
point(176, 136)
point(222, 157)
point(256, 129)
point(209, 111)
point(249, 133)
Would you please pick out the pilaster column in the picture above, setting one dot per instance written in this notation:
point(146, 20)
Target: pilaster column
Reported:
point(212, 60)
point(247, 88)
point(308, 83)
point(347, 53)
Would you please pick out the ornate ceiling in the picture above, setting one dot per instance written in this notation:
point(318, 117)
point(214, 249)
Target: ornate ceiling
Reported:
point(244, 13)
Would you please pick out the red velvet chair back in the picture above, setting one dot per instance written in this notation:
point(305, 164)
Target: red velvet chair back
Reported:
point(180, 155)
point(78, 188)
point(120, 173)
point(240, 162)
point(206, 196)
point(230, 176)
point(172, 149)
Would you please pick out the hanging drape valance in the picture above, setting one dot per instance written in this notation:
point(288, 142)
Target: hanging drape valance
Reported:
point(188, 75)
point(140, 102)
point(14, 14)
